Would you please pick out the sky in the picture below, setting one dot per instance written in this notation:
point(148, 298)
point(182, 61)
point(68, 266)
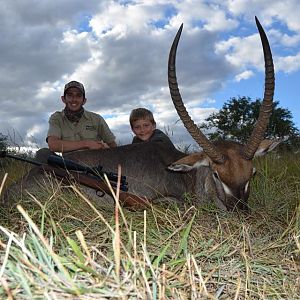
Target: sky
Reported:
point(119, 51)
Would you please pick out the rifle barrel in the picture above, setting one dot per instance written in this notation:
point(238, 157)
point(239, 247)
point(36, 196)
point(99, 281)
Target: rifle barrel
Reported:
point(68, 164)
point(4, 154)
point(58, 161)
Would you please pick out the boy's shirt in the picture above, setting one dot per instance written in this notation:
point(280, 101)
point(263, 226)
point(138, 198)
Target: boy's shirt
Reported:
point(157, 136)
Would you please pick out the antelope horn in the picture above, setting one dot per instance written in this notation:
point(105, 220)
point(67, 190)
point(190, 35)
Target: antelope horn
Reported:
point(208, 147)
point(266, 108)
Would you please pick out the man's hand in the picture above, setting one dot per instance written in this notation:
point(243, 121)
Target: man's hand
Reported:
point(96, 145)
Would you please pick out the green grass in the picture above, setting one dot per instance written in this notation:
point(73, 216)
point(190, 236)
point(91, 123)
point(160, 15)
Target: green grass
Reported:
point(61, 245)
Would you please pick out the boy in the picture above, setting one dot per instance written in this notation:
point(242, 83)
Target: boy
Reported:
point(143, 126)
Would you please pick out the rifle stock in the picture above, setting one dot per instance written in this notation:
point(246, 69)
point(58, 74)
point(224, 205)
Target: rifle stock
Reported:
point(126, 199)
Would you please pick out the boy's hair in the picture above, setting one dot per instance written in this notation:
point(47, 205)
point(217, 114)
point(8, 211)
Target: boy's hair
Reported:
point(141, 114)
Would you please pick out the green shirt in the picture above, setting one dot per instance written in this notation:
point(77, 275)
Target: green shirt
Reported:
point(91, 126)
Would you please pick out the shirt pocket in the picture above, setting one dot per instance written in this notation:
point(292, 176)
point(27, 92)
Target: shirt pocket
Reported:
point(90, 132)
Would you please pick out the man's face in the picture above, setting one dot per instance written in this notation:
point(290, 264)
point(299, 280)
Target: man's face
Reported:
point(73, 99)
point(143, 129)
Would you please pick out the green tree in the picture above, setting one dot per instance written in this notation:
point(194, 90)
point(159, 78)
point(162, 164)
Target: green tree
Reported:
point(3, 142)
point(3, 146)
point(237, 118)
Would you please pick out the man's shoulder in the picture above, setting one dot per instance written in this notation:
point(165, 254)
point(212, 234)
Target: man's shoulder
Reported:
point(91, 114)
point(94, 116)
point(57, 115)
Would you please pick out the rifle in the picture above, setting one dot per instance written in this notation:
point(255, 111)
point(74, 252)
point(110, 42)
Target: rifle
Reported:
point(92, 177)
point(70, 165)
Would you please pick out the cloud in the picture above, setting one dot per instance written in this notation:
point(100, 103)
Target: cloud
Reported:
point(242, 52)
point(119, 50)
point(288, 64)
point(244, 75)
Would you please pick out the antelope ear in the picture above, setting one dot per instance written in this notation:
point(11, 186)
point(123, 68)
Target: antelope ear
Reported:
point(190, 162)
point(267, 146)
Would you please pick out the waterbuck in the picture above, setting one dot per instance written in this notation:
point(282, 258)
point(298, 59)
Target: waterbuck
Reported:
point(219, 174)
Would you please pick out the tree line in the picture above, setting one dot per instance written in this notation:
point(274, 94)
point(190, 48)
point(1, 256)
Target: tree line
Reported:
point(237, 117)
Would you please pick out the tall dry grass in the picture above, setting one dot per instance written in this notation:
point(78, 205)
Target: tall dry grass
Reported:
point(61, 245)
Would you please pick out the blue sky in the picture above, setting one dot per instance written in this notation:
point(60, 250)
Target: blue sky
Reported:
point(119, 51)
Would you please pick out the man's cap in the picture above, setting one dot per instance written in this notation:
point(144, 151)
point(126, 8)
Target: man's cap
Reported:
point(75, 84)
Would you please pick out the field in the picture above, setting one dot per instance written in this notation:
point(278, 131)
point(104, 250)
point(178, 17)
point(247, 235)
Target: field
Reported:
point(61, 245)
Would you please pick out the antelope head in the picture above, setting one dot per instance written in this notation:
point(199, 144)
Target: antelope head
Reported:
point(230, 162)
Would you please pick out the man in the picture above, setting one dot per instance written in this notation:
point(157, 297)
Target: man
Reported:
point(75, 128)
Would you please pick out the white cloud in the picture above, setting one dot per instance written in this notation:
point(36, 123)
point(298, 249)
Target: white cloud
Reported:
point(119, 20)
point(241, 52)
point(120, 52)
point(288, 64)
point(48, 88)
point(73, 36)
point(244, 75)
point(290, 41)
point(268, 11)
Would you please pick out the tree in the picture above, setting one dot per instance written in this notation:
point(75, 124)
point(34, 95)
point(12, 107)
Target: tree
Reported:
point(3, 142)
point(238, 116)
point(3, 146)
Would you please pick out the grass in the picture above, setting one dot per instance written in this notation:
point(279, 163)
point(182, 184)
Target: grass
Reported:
point(61, 245)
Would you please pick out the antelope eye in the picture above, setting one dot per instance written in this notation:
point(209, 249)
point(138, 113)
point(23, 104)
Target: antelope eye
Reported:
point(216, 175)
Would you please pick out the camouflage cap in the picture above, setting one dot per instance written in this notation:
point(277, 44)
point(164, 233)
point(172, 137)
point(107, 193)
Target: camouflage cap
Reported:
point(75, 84)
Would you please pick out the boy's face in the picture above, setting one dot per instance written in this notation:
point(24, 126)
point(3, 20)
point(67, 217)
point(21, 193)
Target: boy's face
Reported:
point(143, 129)
point(73, 99)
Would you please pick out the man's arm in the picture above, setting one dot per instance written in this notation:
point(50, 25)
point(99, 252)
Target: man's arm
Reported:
point(57, 145)
point(112, 144)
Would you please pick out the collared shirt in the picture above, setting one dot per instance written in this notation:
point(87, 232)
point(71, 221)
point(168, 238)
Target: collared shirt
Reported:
point(91, 126)
point(157, 136)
